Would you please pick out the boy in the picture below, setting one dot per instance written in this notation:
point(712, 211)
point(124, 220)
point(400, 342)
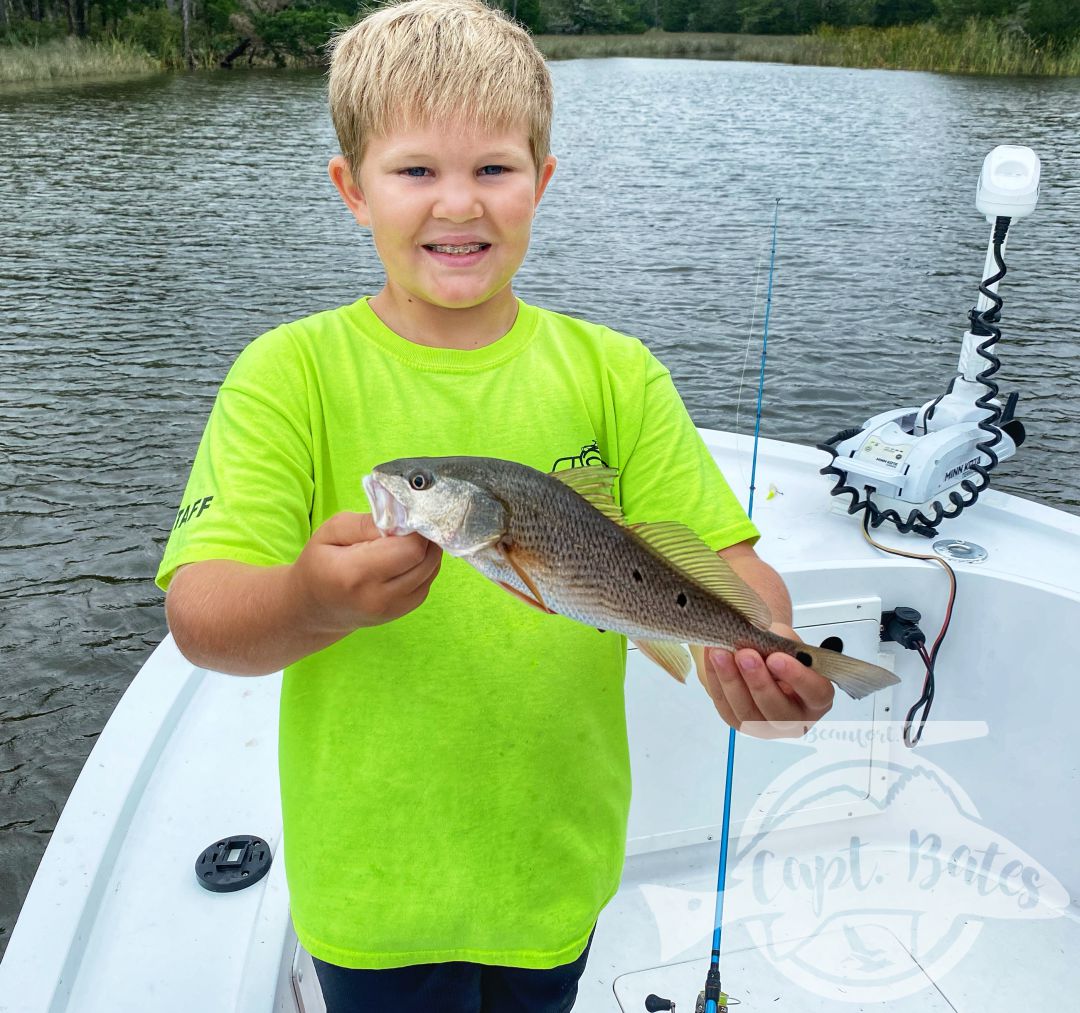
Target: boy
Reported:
point(454, 777)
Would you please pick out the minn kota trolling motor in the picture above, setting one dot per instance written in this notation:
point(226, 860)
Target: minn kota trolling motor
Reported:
point(916, 467)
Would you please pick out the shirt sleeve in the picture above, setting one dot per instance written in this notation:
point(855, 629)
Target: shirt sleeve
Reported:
point(670, 474)
point(249, 494)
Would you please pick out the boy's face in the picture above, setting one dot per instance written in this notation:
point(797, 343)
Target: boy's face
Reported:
point(450, 210)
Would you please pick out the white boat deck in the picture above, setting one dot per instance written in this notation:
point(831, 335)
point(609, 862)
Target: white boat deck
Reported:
point(864, 875)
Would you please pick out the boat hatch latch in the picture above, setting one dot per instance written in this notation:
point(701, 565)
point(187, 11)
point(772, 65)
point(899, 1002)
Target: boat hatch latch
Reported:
point(233, 863)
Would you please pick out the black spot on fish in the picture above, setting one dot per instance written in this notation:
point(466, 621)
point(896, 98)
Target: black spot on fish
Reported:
point(681, 600)
point(638, 577)
point(803, 658)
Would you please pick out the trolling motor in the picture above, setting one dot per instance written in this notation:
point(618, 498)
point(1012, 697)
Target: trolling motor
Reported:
point(918, 466)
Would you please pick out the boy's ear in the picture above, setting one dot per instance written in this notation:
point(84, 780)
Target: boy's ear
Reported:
point(342, 178)
point(547, 169)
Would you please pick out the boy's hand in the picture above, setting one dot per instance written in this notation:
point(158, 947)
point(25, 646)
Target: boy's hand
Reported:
point(349, 575)
point(771, 698)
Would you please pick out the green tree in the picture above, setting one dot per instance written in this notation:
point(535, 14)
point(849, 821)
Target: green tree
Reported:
point(953, 13)
point(715, 16)
point(883, 13)
point(1057, 20)
point(675, 14)
point(605, 16)
point(767, 17)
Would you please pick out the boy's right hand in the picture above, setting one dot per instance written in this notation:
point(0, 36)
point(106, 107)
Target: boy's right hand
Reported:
point(349, 575)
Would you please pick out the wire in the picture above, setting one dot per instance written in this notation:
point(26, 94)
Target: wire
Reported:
point(929, 659)
point(923, 702)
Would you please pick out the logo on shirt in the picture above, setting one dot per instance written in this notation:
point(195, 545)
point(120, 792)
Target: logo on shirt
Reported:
point(589, 457)
point(194, 509)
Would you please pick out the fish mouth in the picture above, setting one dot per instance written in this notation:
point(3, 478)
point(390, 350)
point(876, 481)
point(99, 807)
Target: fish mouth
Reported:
point(389, 515)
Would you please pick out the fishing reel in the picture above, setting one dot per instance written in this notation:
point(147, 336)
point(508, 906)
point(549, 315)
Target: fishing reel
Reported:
point(709, 1000)
point(917, 466)
point(654, 1003)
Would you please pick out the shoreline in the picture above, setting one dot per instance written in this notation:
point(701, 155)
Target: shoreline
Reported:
point(72, 60)
point(978, 48)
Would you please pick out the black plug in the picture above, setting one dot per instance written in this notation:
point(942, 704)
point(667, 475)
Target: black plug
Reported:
point(901, 626)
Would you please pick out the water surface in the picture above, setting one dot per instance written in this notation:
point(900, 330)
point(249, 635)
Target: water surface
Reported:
point(149, 230)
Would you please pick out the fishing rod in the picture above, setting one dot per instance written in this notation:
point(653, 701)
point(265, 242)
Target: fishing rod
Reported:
point(715, 1000)
point(711, 999)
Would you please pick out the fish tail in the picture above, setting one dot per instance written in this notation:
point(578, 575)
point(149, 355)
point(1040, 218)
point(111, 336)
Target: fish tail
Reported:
point(854, 677)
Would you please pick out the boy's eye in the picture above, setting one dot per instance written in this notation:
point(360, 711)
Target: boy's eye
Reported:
point(416, 171)
point(493, 170)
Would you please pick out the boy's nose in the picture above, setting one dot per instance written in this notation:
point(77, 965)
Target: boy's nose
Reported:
point(457, 204)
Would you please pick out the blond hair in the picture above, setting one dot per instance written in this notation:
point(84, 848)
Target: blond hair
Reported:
point(426, 62)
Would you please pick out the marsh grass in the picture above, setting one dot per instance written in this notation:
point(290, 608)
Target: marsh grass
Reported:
point(71, 58)
point(701, 45)
point(979, 47)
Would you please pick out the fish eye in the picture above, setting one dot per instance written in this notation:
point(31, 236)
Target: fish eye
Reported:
point(420, 480)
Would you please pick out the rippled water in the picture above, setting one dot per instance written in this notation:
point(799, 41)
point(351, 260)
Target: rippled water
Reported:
point(148, 231)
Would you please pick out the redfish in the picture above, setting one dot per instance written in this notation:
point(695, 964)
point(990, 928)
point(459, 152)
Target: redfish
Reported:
point(559, 542)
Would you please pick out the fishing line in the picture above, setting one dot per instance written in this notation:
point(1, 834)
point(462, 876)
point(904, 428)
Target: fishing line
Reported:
point(764, 352)
point(746, 358)
point(712, 979)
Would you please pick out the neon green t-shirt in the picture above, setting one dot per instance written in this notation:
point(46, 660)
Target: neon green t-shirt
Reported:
point(455, 784)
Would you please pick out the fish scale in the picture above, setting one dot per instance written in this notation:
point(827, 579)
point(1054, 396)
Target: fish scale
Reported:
point(560, 542)
point(583, 565)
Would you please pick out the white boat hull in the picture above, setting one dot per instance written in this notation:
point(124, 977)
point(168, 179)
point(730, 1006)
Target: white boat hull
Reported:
point(837, 894)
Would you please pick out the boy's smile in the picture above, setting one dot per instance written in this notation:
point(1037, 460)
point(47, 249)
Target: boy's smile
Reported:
point(450, 210)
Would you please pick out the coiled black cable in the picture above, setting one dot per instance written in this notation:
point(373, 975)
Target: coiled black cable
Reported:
point(916, 520)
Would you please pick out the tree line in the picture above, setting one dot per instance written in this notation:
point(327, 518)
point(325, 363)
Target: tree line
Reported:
point(222, 32)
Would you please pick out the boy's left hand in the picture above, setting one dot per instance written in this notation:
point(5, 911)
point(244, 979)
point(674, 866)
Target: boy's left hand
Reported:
point(771, 698)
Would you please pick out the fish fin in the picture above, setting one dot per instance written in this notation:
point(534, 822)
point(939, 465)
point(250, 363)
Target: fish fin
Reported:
point(507, 552)
point(681, 546)
point(854, 677)
point(670, 656)
point(697, 652)
point(522, 596)
point(594, 485)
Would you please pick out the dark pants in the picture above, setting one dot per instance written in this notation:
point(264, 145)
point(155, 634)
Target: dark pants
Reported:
point(456, 987)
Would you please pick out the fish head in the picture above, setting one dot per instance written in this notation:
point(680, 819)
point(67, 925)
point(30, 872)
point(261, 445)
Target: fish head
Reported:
point(442, 499)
